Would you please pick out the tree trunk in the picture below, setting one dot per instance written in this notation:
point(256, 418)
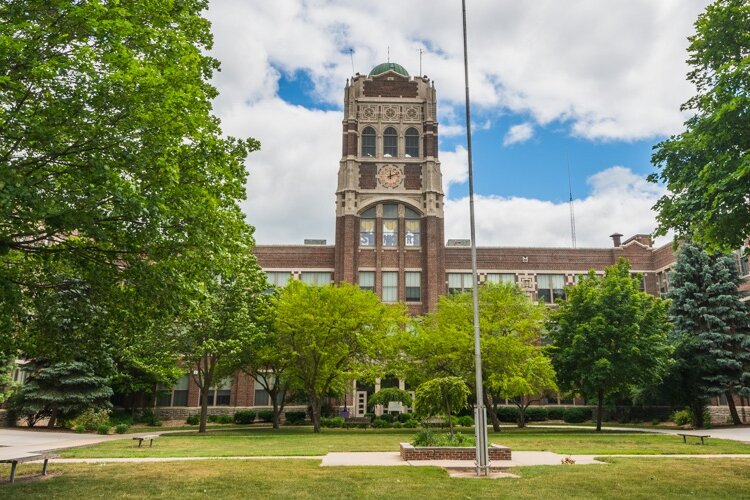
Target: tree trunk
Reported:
point(207, 379)
point(736, 420)
point(599, 410)
point(521, 415)
point(315, 413)
point(492, 411)
point(53, 417)
point(696, 408)
point(450, 420)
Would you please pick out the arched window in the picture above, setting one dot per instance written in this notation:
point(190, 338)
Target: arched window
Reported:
point(390, 143)
point(412, 143)
point(367, 228)
point(413, 228)
point(368, 142)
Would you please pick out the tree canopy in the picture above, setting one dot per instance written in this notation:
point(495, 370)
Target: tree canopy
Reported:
point(608, 335)
point(441, 396)
point(707, 167)
point(331, 334)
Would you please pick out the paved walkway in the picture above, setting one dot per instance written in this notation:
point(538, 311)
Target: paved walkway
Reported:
point(17, 443)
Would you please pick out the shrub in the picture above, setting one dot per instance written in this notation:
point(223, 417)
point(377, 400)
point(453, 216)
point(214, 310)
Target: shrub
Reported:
point(428, 438)
point(148, 418)
point(356, 425)
point(577, 415)
point(91, 419)
point(380, 423)
point(193, 419)
point(224, 419)
point(103, 429)
point(80, 429)
point(508, 414)
point(212, 418)
point(244, 417)
point(333, 422)
point(388, 417)
point(121, 428)
point(397, 425)
point(371, 416)
point(121, 417)
point(681, 417)
point(706, 419)
point(536, 414)
point(265, 415)
point(411, 424)
point(423, 438)
point(404, 417)
point(555, 413)
point(466, 421)
point(294, 417)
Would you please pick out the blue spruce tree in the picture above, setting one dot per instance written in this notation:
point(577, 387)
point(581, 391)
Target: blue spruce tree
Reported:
point(711, 329)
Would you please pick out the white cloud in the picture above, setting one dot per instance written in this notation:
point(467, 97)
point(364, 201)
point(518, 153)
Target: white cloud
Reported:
point(620, 201)
point(614, 70)
point(518, 133)
point(455, 167)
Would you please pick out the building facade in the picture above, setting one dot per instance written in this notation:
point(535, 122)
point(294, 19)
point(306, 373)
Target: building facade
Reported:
point(390, 229)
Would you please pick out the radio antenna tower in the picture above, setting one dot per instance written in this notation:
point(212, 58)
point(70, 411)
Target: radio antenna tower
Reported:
point(572, 211)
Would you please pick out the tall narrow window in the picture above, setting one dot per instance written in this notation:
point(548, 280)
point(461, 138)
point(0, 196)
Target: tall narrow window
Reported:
point(413, 286)
point(390, 143)
point(390, 225)
point(413, 230)
point(550, 287)
point(390, 286)
point(411, 139)
point(367, 228)
point(220, 394)
point(368, 142)
point(261, 395)
point(367, 280)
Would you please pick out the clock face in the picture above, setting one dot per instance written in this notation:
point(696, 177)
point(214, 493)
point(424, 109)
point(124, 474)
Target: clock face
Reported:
point(390, 176)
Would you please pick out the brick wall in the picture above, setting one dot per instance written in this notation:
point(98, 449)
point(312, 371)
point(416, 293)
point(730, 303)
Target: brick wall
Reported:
point(409, 452)
point(390, 86)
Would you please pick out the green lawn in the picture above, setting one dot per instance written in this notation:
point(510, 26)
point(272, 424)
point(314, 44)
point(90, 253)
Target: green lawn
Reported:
point(293, 479)
point(301, 441)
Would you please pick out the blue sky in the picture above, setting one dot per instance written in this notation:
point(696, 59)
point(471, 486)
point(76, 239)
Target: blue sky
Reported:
point(582, 84)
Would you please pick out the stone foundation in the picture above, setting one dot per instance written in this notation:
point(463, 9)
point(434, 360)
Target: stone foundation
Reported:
point(720, 414)
point(409, 452)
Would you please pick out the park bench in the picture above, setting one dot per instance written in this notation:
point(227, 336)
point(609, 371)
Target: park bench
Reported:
point(685, 436)
point(14, 461)
point(150, 438)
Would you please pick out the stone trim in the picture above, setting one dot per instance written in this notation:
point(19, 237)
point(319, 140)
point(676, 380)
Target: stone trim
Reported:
point(409, 452)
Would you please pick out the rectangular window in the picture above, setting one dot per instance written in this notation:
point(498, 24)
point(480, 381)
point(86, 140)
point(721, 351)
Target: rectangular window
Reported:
point(662, 279)
point(459, 282)
point(368, 144)
point(413, 233)
point(315, 278)
point(367, 232)
point(278, 278)
point(412, 145)
point(390, 145)
point(367, 280)
point(262, 397)
point(390, 286)
point(550, 287)
point(390, 232)
point(743, 269)
point(176, 396)
point(495, 278)
point(220, 394)
point(413, 286)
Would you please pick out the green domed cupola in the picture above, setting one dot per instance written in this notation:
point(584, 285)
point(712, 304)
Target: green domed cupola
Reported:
point(389, 66)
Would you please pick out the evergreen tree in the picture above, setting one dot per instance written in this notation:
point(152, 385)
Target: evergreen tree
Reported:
point(61, 390)
point(711, 329)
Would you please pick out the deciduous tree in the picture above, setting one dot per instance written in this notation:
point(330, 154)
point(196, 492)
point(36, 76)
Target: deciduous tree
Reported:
point(608, 336)
point(707, 167)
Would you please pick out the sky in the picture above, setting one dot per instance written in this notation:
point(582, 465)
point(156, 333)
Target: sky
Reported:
point(566, 97)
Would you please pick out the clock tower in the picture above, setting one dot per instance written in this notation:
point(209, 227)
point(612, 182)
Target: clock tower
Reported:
point(389, 199)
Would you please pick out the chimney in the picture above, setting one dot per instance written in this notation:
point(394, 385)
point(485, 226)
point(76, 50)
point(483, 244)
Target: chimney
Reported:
point(616, 239)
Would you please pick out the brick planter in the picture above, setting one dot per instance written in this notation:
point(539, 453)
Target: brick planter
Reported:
point(409, 452)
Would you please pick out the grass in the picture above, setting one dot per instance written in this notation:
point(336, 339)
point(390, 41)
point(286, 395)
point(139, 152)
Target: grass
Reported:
point(305, 479)
point(300, 441)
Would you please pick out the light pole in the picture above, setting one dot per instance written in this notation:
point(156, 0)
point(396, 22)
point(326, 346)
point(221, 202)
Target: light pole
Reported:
point(480, 412)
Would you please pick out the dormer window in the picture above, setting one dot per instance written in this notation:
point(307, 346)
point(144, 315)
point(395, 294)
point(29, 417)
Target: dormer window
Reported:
point(412, 143)
point(368, 142)
point(390, 143)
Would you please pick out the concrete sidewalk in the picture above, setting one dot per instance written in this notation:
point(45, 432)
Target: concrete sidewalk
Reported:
point(520, 459)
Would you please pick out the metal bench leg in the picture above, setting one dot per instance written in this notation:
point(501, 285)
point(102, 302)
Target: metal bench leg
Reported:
point(44, 467)
point(140, 442)
point(684, 439)
point(151, 444)
point(13, 465)
point(702, 440)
